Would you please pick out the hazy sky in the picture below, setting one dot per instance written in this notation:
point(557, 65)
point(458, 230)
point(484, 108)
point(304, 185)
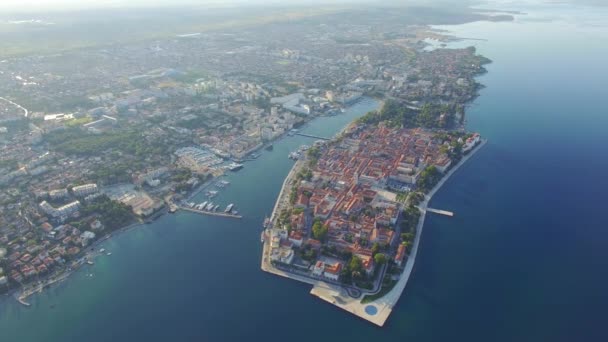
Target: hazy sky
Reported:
point(63, 4)
point(44, 5)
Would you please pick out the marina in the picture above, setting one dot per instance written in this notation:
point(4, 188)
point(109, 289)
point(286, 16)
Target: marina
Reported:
point(212, 213)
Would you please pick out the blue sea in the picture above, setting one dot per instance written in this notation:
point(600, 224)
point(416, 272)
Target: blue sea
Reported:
point(524, 259)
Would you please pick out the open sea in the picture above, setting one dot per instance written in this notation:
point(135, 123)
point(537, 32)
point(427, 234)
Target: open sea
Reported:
point(524, 259)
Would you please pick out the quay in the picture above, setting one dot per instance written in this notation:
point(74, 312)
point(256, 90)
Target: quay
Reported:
point(211, 213)
point(440, 212)
point(312, 136)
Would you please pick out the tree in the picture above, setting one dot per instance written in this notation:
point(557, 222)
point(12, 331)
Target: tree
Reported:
point(380, 258)
point(375, 248)
point(355, 266)
point(428, 178)
point(319, 231)
point(407, 237)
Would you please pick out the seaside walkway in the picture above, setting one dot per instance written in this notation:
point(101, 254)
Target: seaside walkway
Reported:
point(312, 136)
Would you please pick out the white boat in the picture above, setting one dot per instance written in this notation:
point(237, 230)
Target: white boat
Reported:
point(102, 250)
point(229, 208)
point(235, 166)
point(109, 253)
point(209, 206)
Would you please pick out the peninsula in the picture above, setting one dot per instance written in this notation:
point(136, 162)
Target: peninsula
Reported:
point(349, 217)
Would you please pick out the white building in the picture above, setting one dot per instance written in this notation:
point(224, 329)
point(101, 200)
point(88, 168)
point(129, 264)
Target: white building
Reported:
point(58, 194)
point(318, 269)
point(63, 211)
point(86, 237)
point(84, 190)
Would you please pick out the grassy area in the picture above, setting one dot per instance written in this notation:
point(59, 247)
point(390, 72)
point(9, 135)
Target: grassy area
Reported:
point(78, 122)
point(386, 288)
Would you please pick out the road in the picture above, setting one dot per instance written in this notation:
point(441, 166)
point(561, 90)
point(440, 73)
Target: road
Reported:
point(25, 111)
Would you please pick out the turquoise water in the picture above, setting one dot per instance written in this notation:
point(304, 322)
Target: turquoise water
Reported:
point(524, 259)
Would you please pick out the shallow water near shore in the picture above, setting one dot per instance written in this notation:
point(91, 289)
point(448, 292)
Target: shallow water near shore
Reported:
point(524, 258)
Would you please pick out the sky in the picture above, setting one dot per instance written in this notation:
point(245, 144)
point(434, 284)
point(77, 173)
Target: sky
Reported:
point(46, 5)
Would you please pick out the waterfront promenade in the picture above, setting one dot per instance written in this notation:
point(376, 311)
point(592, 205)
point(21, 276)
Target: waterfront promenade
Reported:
point(379, 310)
point(384, 305)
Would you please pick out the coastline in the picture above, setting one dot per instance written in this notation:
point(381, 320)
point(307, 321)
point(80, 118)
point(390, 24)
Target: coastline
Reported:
point(389, 300)
point(21, 294)
point(338, 295)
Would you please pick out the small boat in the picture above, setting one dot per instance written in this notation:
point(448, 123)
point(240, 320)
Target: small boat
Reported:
point(262, 236)
point(235, 167)
point(102, 250)
point(109, 253)
point(90, 262)
point(229, 208)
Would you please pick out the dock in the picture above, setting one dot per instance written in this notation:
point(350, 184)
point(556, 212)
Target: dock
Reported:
point(440, 212)
point(22, 301)
point(211, 213)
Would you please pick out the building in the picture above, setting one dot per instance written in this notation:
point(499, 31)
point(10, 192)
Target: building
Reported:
point(86, 237)
point(84, 190)
point(332, 271)
point(62, 211)
point(318, 268)
point(400, 255)
point(58, 194)
point(296, 238)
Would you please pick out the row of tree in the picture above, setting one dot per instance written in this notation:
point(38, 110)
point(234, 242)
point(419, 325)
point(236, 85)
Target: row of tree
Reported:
point(396, 114)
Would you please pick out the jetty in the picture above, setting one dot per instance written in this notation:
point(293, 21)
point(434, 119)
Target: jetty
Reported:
point(211, 213)
point(440, 212)
point(22, 301)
